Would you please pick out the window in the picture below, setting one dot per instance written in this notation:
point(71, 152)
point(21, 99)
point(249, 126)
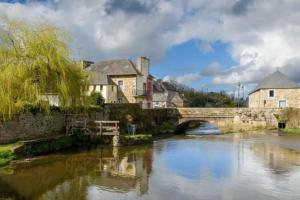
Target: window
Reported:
point(101, 87)
point(112, 88)
point(271, 93)
point(144, 88)
point(282, 103)
point(120, 85)
point(120, 99)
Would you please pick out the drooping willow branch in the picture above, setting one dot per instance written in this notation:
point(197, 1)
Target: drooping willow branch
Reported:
point(35, 61)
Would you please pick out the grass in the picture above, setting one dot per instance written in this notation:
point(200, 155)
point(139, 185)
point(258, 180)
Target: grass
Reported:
point(291, 130)
point(7, 153)
point(138, 136)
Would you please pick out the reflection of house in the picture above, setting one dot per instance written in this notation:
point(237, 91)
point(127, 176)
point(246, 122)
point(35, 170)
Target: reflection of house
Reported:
point(122, 81)
point(73, 176)
point(280, 159)
point(165, 95)
point(275, 91)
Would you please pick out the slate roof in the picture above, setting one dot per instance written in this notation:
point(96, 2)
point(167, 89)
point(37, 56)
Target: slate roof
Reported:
point(157, 87)
point(115, 67)
point(169, 86)
point(100, 79)
point(277, 80)
point(160, 87)
point(159, 97)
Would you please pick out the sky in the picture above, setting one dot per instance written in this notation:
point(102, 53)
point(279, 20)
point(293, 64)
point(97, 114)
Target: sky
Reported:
point(206, 44)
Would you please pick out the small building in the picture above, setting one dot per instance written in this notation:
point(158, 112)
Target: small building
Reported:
point(275, 91)
point(165, 95)
point(102, 83)
point(122, 81)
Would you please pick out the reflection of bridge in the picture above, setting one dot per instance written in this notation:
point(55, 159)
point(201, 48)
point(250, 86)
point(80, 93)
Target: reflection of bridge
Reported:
point(231, 118)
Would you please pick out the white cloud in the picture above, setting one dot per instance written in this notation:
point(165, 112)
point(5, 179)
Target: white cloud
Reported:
point(263, 34)
point(212, 69)
point(184, 79)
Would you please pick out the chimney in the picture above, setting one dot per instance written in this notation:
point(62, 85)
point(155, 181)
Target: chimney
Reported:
point(142, 64)
point(85, 63)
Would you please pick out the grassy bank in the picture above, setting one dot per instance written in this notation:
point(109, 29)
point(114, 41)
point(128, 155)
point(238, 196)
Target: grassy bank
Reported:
point(291, 130)
point(7, 153)
point(126, 140)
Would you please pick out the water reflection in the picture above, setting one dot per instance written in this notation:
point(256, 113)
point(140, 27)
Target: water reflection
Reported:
point(193, 159)
point(204, 128)
point(210, 167)
point(70, 176)
point(279, 160)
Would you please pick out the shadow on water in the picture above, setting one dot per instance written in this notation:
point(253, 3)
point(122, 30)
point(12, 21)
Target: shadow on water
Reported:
point(204, 128)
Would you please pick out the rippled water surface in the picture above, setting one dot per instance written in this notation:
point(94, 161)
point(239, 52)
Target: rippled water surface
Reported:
point(204, 129)
point(240, 166)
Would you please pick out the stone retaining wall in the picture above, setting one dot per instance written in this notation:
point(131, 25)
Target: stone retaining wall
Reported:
point(233, 119)
point(39, 125)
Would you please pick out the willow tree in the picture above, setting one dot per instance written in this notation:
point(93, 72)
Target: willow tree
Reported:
point(35, 62)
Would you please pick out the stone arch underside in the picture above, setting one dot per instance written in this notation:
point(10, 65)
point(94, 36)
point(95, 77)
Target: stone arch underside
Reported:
point(218, 122)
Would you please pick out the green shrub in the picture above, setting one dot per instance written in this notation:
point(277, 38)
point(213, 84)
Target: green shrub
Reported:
point(6, 156)
point(95, 99)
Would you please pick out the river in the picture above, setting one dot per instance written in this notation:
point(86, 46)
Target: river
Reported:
point(239, 166)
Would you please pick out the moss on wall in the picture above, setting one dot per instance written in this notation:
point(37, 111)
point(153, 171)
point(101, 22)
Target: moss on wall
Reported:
point(150, 121)
point(291, 116)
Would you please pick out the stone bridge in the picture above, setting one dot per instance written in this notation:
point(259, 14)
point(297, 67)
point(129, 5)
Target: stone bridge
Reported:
point(231, 118)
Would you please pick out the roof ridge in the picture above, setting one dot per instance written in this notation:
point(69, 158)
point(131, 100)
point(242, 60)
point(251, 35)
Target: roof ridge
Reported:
point(112, 60)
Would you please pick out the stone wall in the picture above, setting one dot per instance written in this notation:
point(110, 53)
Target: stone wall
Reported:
point(38, 125)
point(291, 116)
point(129, 86)
point(261, 99)
point(233, 119)
point(249, 119)
point(32, 125)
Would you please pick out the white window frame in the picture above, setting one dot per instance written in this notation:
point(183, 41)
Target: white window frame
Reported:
point(286, 103)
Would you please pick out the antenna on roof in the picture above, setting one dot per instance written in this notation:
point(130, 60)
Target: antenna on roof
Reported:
point(79, 52)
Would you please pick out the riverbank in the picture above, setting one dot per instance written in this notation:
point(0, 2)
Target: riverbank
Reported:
point(291, 131)
point(33, 148)
point(7, 153)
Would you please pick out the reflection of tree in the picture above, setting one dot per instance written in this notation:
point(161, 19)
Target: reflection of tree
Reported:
point(70, 177)
point(279, 160)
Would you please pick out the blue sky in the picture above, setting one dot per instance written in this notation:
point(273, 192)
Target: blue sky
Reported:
point(188, 58)
point(200, 43)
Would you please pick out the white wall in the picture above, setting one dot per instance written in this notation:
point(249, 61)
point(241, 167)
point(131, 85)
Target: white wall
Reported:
point(106, 92)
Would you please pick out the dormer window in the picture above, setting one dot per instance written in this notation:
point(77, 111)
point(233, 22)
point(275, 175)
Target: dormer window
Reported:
point(271, 93)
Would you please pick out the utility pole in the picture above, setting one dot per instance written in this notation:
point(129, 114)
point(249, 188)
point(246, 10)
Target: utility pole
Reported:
point(206, 96)
point(239, 86)
point(243, 87)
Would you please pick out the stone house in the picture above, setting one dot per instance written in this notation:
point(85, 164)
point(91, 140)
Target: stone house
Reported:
point(165, 95)
point(122, 81)
point(275, 91)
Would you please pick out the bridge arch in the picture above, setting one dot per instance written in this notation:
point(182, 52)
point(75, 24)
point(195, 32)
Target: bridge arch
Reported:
point(228, 119)
point(220, 123)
